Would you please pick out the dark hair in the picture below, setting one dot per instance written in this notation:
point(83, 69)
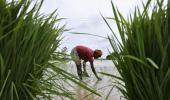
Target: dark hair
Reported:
point(97, 53)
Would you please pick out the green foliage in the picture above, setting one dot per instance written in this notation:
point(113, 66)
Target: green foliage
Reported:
point(28, 41)
point(142, 56)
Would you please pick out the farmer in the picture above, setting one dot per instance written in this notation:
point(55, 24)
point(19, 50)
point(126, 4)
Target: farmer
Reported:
point(86, 54)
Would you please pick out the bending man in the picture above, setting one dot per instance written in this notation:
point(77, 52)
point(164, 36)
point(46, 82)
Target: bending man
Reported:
point(86, 54)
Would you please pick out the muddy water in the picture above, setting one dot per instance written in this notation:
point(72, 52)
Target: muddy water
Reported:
point(103, 86)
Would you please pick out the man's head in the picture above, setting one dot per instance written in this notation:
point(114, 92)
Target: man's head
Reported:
point(97, 53)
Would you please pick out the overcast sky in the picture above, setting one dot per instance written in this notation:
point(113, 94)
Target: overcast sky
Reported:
point(84, 16)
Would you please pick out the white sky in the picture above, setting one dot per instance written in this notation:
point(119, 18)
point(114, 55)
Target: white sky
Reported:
point(84, 16)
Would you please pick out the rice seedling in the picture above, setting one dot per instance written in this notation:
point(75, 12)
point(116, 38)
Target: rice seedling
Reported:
point(142, 56)
point(28, 41)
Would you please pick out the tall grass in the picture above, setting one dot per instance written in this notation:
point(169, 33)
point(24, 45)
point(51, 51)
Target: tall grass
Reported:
point(142, 56)
point(28, 41)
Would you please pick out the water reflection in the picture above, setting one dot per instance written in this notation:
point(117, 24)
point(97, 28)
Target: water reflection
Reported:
point(82, 94)
point(104, 87)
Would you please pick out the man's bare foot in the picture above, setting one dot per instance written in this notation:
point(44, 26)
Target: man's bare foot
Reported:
point(85, 74)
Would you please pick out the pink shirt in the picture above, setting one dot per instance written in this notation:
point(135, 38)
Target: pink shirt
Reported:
point(85, 53)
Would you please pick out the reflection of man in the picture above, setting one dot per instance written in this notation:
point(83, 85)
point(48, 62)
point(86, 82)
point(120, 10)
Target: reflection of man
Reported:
point(86, 54)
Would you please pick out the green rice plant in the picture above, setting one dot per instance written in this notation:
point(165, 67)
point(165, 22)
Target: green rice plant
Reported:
point(142, 56)
point(28, 43)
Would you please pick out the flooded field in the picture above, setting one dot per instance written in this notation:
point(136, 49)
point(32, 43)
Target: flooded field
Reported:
point(104, 86)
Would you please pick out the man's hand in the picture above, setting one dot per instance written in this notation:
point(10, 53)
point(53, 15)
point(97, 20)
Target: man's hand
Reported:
point(99, 78)
point(94, 71)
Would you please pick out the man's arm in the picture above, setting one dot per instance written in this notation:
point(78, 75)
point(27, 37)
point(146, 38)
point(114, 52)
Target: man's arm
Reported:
point(94, 71)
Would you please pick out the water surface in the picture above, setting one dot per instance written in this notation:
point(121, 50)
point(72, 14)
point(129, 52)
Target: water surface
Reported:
point(104, 86)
